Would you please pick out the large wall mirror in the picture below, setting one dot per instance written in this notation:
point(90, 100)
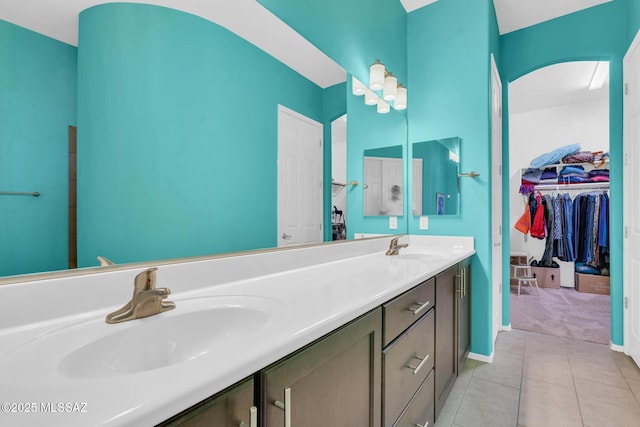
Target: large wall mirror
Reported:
point(218, 228)
point(383, 189)
point(435, 181)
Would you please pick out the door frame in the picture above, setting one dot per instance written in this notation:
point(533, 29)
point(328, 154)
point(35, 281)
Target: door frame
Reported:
point(630, 306)
point(496, 211)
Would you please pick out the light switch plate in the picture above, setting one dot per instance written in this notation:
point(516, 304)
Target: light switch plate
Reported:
point(393, 222)
point(424, 223)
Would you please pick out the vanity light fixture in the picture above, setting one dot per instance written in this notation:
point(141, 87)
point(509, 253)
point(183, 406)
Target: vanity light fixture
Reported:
point(357, 87)
point(390, 87)
point(380, 79)
point(376, 75)
point(383, 106)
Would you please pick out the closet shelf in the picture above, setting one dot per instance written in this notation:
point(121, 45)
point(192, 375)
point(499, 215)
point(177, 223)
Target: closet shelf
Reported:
point(577, 186)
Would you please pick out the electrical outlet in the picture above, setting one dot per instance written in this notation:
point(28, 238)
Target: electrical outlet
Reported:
point(424, 223)
point(393, 222)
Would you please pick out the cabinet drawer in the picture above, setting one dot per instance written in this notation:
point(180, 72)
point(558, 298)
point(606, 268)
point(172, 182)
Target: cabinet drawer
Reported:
point(420, 411)
point(402, 311)
point(406, 364)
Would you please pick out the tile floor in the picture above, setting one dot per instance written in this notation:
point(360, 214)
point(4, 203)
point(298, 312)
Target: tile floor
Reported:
point(542, 380)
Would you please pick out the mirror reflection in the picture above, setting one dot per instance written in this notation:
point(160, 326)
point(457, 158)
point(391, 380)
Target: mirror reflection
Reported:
point(383, 192)
point(435, 168)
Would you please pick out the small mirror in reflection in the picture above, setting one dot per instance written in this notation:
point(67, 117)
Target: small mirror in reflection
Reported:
point(383, 192)
point(436, 189)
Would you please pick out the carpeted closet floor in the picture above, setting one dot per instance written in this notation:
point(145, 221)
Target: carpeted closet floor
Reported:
point(562, 312)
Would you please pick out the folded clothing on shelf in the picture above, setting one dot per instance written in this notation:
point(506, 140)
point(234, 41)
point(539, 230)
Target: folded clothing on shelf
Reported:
point(554, 156)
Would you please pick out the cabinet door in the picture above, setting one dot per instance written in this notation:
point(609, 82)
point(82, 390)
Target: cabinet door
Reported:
point(446, 356)
point(229, 408)
point(463, 313)
point(334, 382)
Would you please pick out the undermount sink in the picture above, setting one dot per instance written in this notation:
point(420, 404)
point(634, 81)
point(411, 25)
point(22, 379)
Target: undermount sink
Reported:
point(94, 349)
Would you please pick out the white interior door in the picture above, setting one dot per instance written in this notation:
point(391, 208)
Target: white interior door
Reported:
point(496, 197)
point(631, 200)
point(299, 179)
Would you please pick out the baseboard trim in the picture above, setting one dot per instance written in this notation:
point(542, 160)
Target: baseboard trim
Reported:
point(481, 357)
point(506, 328)
point(615, 347)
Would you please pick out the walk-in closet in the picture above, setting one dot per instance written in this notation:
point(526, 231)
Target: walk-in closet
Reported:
point(559, 193)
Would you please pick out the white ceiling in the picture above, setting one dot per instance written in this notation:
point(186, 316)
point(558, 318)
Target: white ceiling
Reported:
point(248, 19)
point(559, 84)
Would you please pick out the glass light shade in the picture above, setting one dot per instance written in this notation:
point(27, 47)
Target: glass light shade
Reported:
point(357, 87)
point(370, 98)
point(383, 107)
point(400, 103)
point(390, 88)
point(376, 76)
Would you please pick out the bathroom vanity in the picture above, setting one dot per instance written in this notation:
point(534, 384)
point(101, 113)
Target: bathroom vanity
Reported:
point(336, 334)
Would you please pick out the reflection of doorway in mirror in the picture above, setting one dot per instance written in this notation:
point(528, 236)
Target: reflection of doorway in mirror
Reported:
point(383, 177)
point(339, 177)
point(416, 181)
point(440, 203)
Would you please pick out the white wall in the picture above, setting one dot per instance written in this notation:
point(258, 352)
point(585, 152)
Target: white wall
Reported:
point(540, 131)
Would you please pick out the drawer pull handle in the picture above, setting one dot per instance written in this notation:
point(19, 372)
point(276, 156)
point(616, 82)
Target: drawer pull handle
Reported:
point(286, 406)
point(426, 424)
point(253, 421)
point(420, 365)
point(419, 309)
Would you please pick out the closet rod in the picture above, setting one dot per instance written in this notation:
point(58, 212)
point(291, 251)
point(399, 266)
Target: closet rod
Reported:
point(18, 193)
point(572, 187)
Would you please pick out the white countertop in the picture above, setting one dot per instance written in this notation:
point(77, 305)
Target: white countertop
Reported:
point(308, 293)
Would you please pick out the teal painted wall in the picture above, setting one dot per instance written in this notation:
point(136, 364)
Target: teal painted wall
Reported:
point(449, 66)
point(334, 103)
point(177, 135)
point(597, 33)
point(633, 19)
point(353, 33)
point(366, 129)
point(37, 104)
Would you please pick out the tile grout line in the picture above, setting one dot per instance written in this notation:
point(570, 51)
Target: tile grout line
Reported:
point(575, 387)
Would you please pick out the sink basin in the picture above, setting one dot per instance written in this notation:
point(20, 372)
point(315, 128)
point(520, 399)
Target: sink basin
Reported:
point(94, 349)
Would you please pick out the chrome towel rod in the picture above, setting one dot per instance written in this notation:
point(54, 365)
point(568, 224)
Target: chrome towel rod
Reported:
point(17, 193)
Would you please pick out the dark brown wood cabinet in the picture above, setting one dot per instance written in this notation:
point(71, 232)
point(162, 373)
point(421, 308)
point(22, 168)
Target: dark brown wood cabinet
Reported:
point(233, 407)
point(392, 367)
point(333, 382)
point(463, 312)
point(446, 356)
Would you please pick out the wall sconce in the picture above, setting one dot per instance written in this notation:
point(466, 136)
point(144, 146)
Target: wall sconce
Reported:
point(380, 79)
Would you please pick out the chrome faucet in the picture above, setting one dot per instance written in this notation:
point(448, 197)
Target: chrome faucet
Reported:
point(394, 247)
point(147, 300)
